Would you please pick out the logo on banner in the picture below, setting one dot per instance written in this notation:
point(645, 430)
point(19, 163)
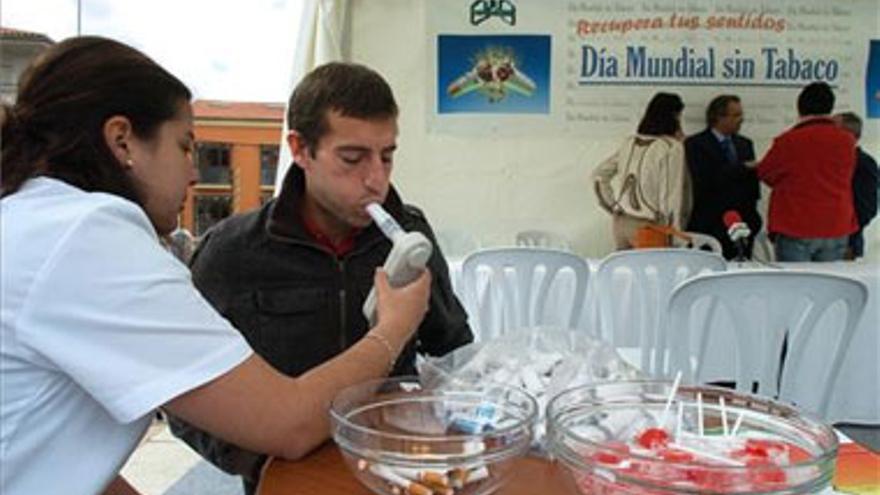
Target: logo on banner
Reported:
point(482, 10)
point(493, 74)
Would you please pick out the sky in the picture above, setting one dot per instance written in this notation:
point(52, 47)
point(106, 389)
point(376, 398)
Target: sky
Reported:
point(239, 50)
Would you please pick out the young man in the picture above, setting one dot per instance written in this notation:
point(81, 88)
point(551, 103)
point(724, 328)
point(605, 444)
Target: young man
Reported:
point(293, 275)
point(864, 184)
point(716, 159)
point(810, 169)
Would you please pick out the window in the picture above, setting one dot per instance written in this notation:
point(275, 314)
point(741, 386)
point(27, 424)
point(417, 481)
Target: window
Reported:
point(268, 164)
point(214, 163)
point(210, 209)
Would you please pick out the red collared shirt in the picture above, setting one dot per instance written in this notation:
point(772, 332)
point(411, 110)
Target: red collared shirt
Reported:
point(339, 249)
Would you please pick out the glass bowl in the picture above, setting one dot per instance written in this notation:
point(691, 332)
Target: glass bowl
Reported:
point(404, 436)
point(622, 438)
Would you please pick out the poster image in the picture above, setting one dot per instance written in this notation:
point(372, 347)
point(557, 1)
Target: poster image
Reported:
point(493, 74)
point(872, 81)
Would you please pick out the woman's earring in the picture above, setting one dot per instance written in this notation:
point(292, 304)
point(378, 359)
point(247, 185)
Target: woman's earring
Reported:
point(129, 162)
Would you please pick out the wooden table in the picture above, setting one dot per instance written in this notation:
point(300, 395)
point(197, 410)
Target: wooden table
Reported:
point(323, 472)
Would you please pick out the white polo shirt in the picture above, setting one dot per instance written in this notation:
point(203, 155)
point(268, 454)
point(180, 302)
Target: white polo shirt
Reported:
point(99, 326)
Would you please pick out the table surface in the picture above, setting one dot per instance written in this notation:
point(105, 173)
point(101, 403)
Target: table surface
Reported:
point(324, 472)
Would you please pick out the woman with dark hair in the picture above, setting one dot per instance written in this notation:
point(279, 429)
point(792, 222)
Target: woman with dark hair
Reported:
point(645, 182)
point(101, 325)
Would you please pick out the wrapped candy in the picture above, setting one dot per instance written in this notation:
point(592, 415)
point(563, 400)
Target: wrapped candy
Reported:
point(542, 360)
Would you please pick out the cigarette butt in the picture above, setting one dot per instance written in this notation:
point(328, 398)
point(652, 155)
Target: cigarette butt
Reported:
point(417, 489)
point(422, 475)
point(388, 474)
point(434, 478)
point(457, 477)
point(441, 490)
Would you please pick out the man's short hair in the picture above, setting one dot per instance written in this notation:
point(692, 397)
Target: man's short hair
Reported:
point(353, 90)
point(851, 122)
point(815, 99)
point(718, 107)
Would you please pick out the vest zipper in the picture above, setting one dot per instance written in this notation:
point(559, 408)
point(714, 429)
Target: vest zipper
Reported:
point(343, 342)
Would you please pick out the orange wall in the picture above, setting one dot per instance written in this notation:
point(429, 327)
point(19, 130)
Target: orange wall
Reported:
point(237, 134)
point(244, 139)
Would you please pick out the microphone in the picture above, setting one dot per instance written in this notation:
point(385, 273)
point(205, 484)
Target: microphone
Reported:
point(738, 232)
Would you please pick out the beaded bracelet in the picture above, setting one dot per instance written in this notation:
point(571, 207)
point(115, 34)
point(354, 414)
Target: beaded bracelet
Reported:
point(392, 356)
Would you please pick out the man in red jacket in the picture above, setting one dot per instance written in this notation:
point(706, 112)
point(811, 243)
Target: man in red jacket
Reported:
point(810, 169)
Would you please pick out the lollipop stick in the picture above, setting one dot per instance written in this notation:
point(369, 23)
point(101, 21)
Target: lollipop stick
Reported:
point(723, 415)
point(700, 413)
point(669, 399)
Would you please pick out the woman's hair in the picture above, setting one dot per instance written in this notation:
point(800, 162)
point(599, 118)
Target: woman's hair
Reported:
point(661, 116)
point(55, 127)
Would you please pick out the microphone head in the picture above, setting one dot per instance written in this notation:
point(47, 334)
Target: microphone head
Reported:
point(731, 217)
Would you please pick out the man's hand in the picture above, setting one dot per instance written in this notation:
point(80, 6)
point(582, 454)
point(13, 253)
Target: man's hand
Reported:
point(401, 310)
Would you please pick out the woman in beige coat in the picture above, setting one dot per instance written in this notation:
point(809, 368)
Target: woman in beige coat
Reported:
point(646, 180)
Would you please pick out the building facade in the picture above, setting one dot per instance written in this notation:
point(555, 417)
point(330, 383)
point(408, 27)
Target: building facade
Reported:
point(237, 156)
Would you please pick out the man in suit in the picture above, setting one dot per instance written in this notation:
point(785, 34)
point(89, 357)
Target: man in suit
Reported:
point(721, 180)
point(864, 184)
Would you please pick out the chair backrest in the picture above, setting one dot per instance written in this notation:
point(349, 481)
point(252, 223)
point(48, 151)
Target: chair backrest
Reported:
point(767, 308)
point(509, 288)
point(542, 239)
point(633, 288)
point(456, 243)
point(698, 241)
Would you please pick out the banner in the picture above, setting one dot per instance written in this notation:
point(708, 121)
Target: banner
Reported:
point(590, 67)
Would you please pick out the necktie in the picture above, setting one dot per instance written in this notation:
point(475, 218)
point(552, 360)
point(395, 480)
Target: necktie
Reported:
point(729, 150)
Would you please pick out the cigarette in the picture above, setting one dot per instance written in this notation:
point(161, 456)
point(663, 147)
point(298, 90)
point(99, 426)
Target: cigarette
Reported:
point(460, 477)
point(477, 474)
point(423, 476)
point(441, 490)
point(387, 474)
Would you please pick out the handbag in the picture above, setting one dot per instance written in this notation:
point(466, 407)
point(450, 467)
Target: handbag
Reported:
point(657, 236)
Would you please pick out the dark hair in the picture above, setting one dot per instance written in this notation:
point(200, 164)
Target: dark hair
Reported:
point(718, 108)
point(661, 116)
point(67, 93)
point(353, 90)
point(851, 122)
point(815, 99)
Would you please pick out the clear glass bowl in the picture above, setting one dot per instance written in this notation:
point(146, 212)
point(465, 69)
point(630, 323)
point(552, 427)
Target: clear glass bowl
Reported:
point(402, 435)
point(607, 436)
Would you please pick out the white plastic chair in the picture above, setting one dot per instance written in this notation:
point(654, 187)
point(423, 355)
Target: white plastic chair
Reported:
point(509, 288)
point(698, 241)
point(766, 307)
point(542, 239)
point(633, 288)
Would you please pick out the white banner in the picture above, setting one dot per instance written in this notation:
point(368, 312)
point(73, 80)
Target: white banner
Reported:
point(588, 68)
